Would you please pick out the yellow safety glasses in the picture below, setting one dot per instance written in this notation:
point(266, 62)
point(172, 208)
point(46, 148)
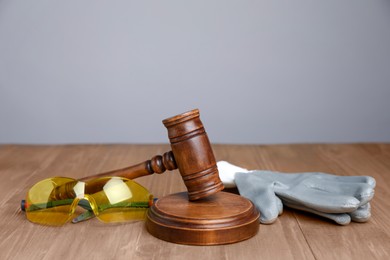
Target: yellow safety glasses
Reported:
point(54, 201)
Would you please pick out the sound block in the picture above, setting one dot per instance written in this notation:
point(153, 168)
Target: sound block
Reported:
point(222, 218)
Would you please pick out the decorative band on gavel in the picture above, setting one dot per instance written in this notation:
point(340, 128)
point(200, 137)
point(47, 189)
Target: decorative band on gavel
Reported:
point(191, 154)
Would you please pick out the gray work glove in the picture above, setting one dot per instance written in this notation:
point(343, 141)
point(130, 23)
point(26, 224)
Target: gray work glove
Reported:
point(339, 198)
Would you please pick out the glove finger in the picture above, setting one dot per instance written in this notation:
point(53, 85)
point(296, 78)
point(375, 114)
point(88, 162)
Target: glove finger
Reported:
point(262, 195)
point(339, 218)
point(319, 200)
point(269, 212)
point(298, 177)
point(348, 179)
point(362, 214)
point(362, 191)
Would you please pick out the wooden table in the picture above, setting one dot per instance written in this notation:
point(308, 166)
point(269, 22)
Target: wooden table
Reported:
point(295, 234)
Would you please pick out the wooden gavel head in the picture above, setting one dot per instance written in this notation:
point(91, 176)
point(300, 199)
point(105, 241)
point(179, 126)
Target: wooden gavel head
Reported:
point(193, 154)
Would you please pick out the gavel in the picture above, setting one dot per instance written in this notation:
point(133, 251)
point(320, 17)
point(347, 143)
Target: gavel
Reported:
point(220, 219)
point(191, 153)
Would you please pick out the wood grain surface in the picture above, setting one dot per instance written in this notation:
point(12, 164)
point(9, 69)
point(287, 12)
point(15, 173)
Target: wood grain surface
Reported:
point(295, 235)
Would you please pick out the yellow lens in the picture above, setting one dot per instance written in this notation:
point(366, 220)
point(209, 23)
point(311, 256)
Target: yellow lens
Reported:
point(119, 199)
point(45, 207)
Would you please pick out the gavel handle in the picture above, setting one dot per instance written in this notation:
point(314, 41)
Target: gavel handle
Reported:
point(158, 164)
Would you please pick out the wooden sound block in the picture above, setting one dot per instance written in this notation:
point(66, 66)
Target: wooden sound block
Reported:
point(222, 218)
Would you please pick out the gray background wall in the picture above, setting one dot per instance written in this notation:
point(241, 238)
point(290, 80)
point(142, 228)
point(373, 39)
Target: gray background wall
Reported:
point(259, 71)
